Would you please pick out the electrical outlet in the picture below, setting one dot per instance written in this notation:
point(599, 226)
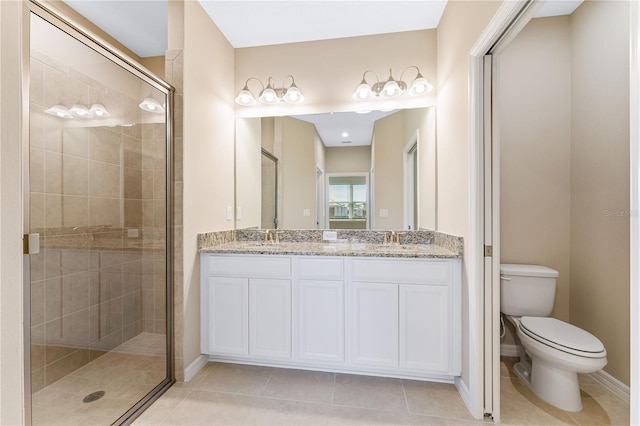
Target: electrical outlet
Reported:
point(306, 212)
point(132, 233)
point(239, 212)
point(384, 213)
point(229, 213)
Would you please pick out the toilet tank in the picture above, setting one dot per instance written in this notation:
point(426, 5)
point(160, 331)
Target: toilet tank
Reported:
point(527, 290)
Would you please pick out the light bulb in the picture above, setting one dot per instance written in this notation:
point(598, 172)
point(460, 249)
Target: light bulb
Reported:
point(80, 111)
point(245, 97)
point(420, 86)
point(151, 105)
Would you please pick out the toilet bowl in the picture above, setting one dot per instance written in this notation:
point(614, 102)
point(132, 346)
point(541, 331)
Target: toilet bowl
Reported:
point(552, 352)
point(558, 351)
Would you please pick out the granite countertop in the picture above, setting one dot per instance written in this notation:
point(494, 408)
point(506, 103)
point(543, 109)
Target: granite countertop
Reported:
point(333, 249)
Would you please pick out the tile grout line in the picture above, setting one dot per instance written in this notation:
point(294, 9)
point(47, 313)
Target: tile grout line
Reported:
point(406, 401)
point(333, 390)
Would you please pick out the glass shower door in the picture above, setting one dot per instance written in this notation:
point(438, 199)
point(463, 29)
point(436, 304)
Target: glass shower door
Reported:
point(98, 198)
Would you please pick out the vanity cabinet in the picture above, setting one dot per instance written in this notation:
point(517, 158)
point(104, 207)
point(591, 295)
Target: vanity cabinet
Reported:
point(390, 316)
point(246, 306)
point(319, 309)
point(227, 309)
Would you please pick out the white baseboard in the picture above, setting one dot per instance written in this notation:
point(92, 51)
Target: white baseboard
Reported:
point(193, 368)
point(508, 350)
point(463, 390)
point(612, 384)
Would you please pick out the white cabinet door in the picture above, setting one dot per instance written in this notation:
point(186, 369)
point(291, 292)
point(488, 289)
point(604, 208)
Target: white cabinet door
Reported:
point(320, 320)
point(228, 313)
point(373, 324)
point(270, 318)
point(424, 328)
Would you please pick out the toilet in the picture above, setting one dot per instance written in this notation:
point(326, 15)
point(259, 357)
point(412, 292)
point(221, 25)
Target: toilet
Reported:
point(552, 352)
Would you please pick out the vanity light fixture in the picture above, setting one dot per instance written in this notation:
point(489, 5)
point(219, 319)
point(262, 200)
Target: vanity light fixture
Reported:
point(270, 95)
point(391, 87)
point(151, 105)
point(98, 110)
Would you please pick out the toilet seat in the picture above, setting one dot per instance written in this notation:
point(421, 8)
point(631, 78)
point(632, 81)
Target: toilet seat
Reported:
point(562, 336)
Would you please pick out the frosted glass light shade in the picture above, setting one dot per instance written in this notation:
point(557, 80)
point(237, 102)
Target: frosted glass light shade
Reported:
point(151, 105)
point(293, 95)
point(80, 111)
point(391, 88)
point(363, 92)
point(245, 97)
point(98, 110)
point(269, 96)
point(420, 86)
point(59, 111)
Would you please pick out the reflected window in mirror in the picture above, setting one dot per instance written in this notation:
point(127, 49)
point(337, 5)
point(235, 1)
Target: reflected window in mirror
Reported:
point(347, 202)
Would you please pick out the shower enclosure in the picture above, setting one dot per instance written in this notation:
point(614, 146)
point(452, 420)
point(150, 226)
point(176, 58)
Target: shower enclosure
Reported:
point(97, 209)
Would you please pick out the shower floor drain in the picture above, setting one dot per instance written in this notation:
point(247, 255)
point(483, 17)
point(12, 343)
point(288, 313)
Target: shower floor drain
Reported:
point(94, 396)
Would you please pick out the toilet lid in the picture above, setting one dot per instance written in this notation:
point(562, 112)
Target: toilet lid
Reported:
point(562, 336)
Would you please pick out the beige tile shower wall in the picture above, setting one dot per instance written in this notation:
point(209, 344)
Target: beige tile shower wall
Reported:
point(153, 222)
point(86, 190)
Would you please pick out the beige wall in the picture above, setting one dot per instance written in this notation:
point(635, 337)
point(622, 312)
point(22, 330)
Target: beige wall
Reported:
point(459, 28)
point(298, 166)
point(600, 177)
point(248, 172)
point(328, 71)
point(422, 121)
point(391, 135)
point(565, 166)
point(348, 159)
point(11, 302)
point(208, 152)
point(389, 140)
point(155, 64)
point(535, 143)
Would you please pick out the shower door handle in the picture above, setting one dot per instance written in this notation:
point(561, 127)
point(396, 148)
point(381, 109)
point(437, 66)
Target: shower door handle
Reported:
point(31, 243)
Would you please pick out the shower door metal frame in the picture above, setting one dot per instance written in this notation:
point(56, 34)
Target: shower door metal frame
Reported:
point(86, 37)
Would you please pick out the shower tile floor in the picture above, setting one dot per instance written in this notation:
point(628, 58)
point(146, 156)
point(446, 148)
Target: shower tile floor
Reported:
point(126, 374)
point(233, 394)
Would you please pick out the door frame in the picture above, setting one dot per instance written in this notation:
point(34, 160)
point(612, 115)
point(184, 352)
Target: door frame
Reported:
point(634, 140)
point(484, 227)
point(411, 186)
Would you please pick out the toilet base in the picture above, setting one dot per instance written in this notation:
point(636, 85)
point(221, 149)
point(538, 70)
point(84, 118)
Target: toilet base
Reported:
point(556, 387)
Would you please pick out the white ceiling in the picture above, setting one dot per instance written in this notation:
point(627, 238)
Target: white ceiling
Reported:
point(261, 23)
point(141, 25)
point(331, 126)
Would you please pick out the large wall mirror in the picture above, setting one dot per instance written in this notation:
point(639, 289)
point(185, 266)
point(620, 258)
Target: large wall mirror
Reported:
point(337, 171)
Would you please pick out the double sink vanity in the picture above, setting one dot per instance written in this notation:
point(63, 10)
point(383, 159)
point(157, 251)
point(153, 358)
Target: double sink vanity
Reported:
point(356, 304)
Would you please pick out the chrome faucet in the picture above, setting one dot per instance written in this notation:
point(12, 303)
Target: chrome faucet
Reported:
point(394, 238)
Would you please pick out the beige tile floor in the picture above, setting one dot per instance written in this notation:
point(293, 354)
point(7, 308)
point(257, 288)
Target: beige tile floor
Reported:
point(126, 374)
point(521, 407)
point(229, 394)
